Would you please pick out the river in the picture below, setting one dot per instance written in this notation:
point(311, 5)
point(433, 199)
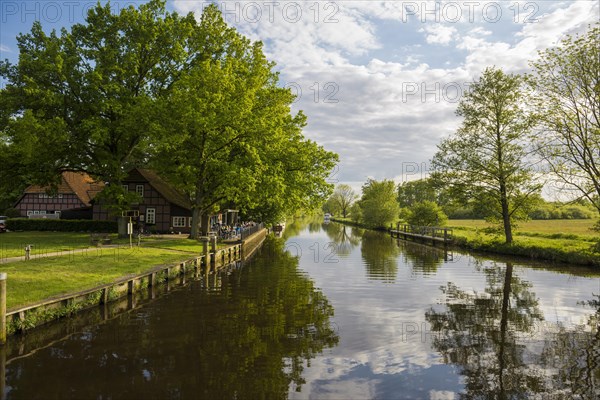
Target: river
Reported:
point(335, 312)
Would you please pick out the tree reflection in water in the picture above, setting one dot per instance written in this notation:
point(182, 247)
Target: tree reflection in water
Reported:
point(423, 259)
point(345, 241)
point(246, 335)
point(482, 332)
point(572, 354)
point(495, 338)
point(380, 255)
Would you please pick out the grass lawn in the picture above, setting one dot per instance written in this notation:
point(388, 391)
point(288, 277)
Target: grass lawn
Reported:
point(44, 277)
point(38, 279)
point(183, 244)
point(570, 241)
point(553, 228)
point(12, 243)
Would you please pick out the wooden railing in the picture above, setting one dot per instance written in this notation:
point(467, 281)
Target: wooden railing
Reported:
point(434, 233)
point(251, 230)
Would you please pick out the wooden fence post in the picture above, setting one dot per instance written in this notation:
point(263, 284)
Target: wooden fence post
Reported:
point(213, 248)
point(3, 277)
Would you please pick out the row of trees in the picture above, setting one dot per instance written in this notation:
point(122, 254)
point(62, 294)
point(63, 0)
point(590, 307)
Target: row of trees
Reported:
point(518, 132)
point(193, 99)
point(457, 206)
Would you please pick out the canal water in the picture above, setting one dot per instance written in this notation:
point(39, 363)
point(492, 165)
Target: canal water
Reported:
point(335, 312)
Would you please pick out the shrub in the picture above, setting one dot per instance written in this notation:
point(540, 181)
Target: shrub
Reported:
point(427, 213)
point(12, 213)
point(60, 225)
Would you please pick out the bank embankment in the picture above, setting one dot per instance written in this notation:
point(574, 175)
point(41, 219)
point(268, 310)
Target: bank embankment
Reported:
point(42, 290)
point(570, 248)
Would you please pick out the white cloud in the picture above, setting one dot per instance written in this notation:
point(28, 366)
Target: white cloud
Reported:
point(4, 48)
point(439, 34)
point(396, 79)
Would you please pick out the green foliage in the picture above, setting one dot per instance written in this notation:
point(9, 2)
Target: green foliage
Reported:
point(565, 91)
point(331, 207)
point(342, 198)
point(197, 100)
point(486, 160)
point(378, 203)
point(80, 99)
point(458, 212)
point(426, 213)
point(561, 211)
point(60, 225)
point(356, 212)
point(412, 192)
point(11, 212)
point(226, 134)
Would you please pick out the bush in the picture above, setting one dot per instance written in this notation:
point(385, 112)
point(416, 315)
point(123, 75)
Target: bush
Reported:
point(355, 212)
point(552, 211)
point(427, 213)
point(12, 213)
point(60, 225)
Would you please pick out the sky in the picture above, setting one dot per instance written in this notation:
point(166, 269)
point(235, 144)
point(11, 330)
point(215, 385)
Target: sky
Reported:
point(379, 80)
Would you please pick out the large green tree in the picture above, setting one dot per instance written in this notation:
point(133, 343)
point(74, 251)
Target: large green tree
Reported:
point(343, 196)
point(378, 203)
point(78, 100)
point(487, 158)
point(566, 93)
point(227, 134)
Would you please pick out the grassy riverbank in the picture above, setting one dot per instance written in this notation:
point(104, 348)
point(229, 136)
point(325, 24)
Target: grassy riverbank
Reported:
point(83, 267)
point(568, 241)
point(13, 243)
point(42, 278)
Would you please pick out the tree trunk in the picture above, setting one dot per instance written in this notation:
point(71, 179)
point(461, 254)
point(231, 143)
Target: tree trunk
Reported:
point(505, 215)
point(204, 222)
point(122, 226)
point(503, 327)
point(195, 232)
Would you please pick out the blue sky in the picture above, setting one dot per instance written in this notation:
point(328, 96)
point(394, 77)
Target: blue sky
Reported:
point(378, 80)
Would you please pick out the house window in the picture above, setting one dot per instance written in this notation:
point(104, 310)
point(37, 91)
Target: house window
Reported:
point(60, 196)
point(29, 212)
point(125, 188)
point(179, 222)
point(190, 222)
point(150, 215)
point(43, 212)
point(139, 189)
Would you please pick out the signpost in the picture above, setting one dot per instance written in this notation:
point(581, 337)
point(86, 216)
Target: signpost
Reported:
point(130, 214)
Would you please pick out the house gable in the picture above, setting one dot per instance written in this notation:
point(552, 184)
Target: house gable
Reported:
point(161, 206)
point(75, 191)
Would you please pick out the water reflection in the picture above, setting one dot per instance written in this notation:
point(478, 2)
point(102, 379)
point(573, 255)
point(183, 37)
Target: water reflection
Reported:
point(494, 330)
point(492, 336)
point(380, 256)
point(572, 355)
point(343, 236)
point(246, 334)
point(424, 260)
